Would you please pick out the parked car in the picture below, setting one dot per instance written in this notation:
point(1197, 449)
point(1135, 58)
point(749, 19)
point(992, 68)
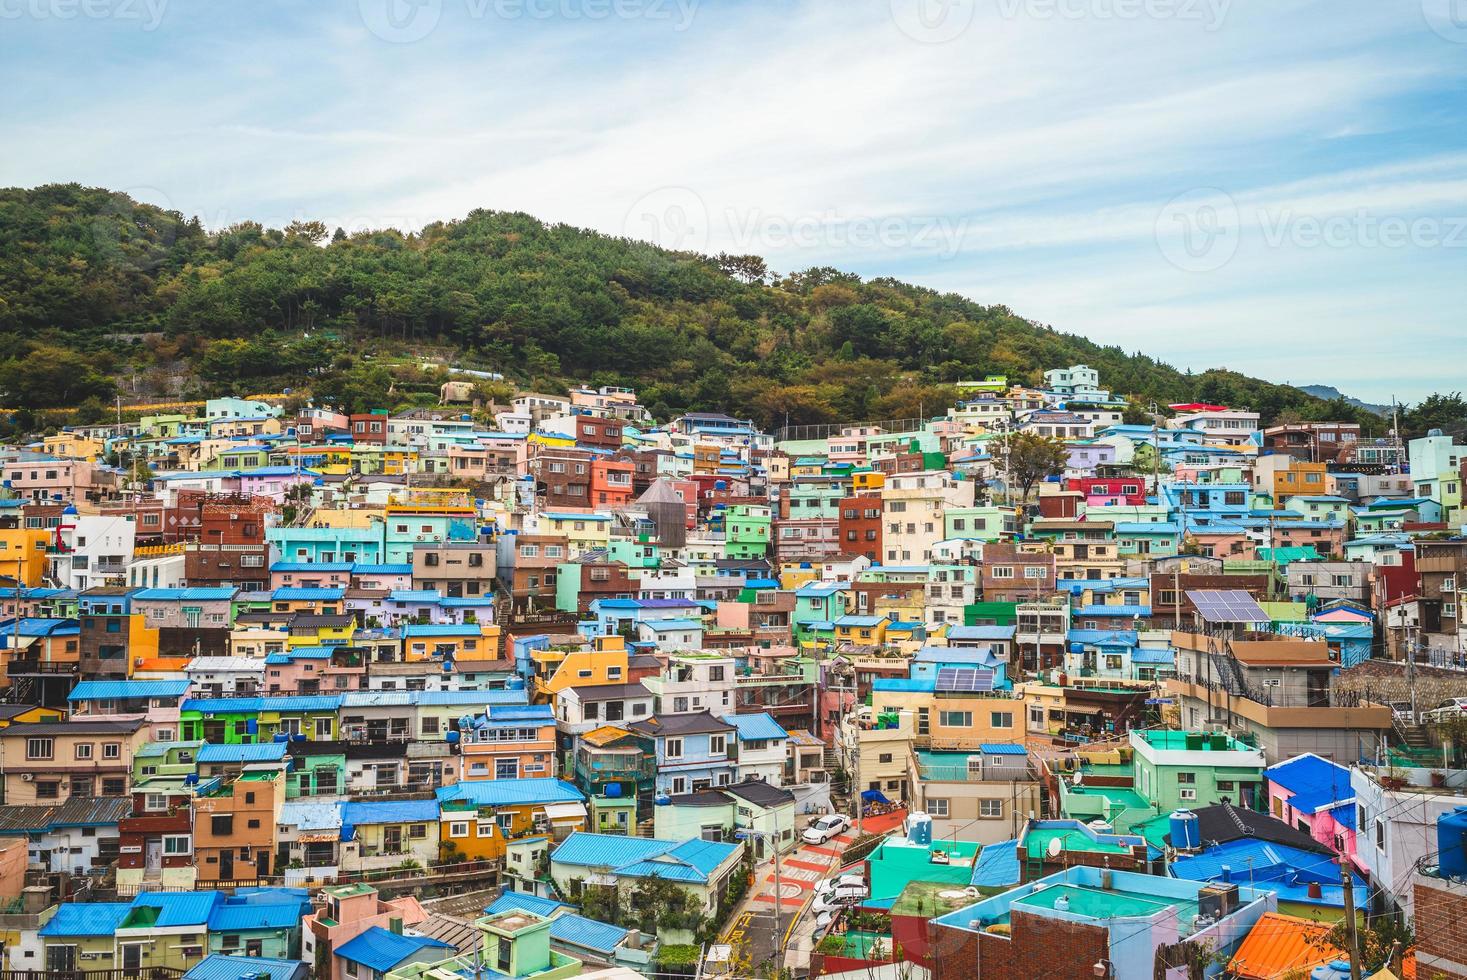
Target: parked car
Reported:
point(1450, 708)
point(842, 897)
point(828, 826)
point(846, 880)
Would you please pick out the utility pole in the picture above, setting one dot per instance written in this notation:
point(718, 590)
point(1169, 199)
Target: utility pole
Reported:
point(1348, 881)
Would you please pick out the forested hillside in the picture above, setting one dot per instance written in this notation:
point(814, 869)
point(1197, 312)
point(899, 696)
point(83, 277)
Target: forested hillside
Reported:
point(99, 292)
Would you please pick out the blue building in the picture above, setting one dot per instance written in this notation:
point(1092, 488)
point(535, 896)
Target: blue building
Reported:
point(692, 751)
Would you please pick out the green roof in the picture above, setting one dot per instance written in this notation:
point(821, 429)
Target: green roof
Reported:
point(931, 898)
point(1173, 739)
point(896, 864)
point(1104, 904)
point(1037, 842)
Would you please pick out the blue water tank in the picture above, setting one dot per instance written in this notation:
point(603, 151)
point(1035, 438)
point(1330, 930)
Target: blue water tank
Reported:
point(252, 726)
point(664, 800)
point(298, 738)
point(720, 484)
point(451, 738)
point(1451, 843)
point(612, 791)
point(919, 829)
point(1185, 835)
point(1333, 970)
point(281, 737)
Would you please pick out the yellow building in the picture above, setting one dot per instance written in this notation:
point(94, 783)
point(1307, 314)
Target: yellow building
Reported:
point(70, 445)
point(864, 631)
point(867, 480)
point(448, 641)
point(324, 636)
point(606, 662)
point(583, 531)
point(23, 555)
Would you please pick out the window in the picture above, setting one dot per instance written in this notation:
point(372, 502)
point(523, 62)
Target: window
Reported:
point(176, 845)
point(39, 748)
point(112, 750)
point(955, 719)
point(1036, 571)
point(1187, 778)
point(1380, 835)
point(937, 808)
point(990, 809)
point(83, 750)
point(1001, 719)
point(885, 757)
point(1003, 571)
point(49, 790)
point(717, 744)
point(1187, 794)
point(222, 824)
point(673, 748)
point(155, 802)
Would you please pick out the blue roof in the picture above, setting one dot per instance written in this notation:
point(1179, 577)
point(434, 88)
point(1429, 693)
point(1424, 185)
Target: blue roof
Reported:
point(221, 706)
point(643, 857)
point(755, 727)
point(512, 792)
point(108, 690)
point(903, 684)
point(1002, 748)
point(363, 568)
point(577, 930)
point(379, 949)
point(966, 656)
point(524, 902)
point(311, 566)
point(86, 919)
point(1314, 782)
point(1104, 638)
point(194, 594)
point(1287, 871)
point(818, 590)
point(243, 916)
point(980, 633)
point(355, 813)
point(997, 865)
point(443, 629)
point(659, 625)
point(1142, 611)
point(1153, 655)
point(288, 593)
point(221, 966)
point(263, 752)
point(181, 908)
point(414, 595)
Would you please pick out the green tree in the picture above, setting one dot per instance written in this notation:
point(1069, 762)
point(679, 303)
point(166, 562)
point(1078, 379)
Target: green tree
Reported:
point(1028, 459)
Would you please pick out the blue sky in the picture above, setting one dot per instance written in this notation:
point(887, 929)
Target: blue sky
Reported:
point(1275, 186)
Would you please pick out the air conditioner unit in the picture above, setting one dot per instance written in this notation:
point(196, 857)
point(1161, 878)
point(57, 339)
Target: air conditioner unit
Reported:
point(27, 777)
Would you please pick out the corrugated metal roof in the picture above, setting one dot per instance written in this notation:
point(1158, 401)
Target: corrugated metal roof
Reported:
point(218, 706)
point(755, 727)
point(432, 699)
point(196, 593)
point(389, 811)
point(178, 908)
point(1002, 748)
point(293, 594)
point(86, 919)
point(255, 915)
point(577, 930)
point(997, 865)
point(263, 752)
point(106, 690)
point(219, 966)
point(379, 949)
point(524, 902)
point(512, 792)
point(310, 815)
point(1280, 945)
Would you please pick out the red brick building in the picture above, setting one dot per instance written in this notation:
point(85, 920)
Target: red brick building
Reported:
point(860, 526)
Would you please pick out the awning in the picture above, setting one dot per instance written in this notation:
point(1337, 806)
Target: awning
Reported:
point(565, 811)
point(873, 796)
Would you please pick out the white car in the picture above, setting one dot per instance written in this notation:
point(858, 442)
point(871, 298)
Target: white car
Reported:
point(841, 898)
point(830, 884)
point(1450, 708)
point(825, 828)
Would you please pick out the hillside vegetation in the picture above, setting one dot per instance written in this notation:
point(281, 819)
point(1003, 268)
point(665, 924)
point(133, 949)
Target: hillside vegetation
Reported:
point(99, 292)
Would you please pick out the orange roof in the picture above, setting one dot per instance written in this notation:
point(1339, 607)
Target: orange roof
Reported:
point(1278, 653)
point(1279, 944)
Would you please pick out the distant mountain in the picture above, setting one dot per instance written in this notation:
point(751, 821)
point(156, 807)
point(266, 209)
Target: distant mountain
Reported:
point(1330, 393)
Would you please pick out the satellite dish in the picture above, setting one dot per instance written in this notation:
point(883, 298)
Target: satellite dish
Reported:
point(1079, 777)
point(1055, 847)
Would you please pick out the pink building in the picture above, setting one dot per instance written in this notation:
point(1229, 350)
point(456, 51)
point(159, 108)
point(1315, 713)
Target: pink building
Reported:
point(48, 478)
point(350, 911)
point(310, 575)
point(1314, 795)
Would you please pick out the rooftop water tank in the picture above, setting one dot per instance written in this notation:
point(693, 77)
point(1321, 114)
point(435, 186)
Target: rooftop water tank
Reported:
point(1185, 834)
point(612, 791)
point(919, 829)
point(1333, 970)
point(1451, 843)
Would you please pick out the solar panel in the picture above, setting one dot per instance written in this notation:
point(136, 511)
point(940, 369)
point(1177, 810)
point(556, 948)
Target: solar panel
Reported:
point(1227, 606)
point(964, 679)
